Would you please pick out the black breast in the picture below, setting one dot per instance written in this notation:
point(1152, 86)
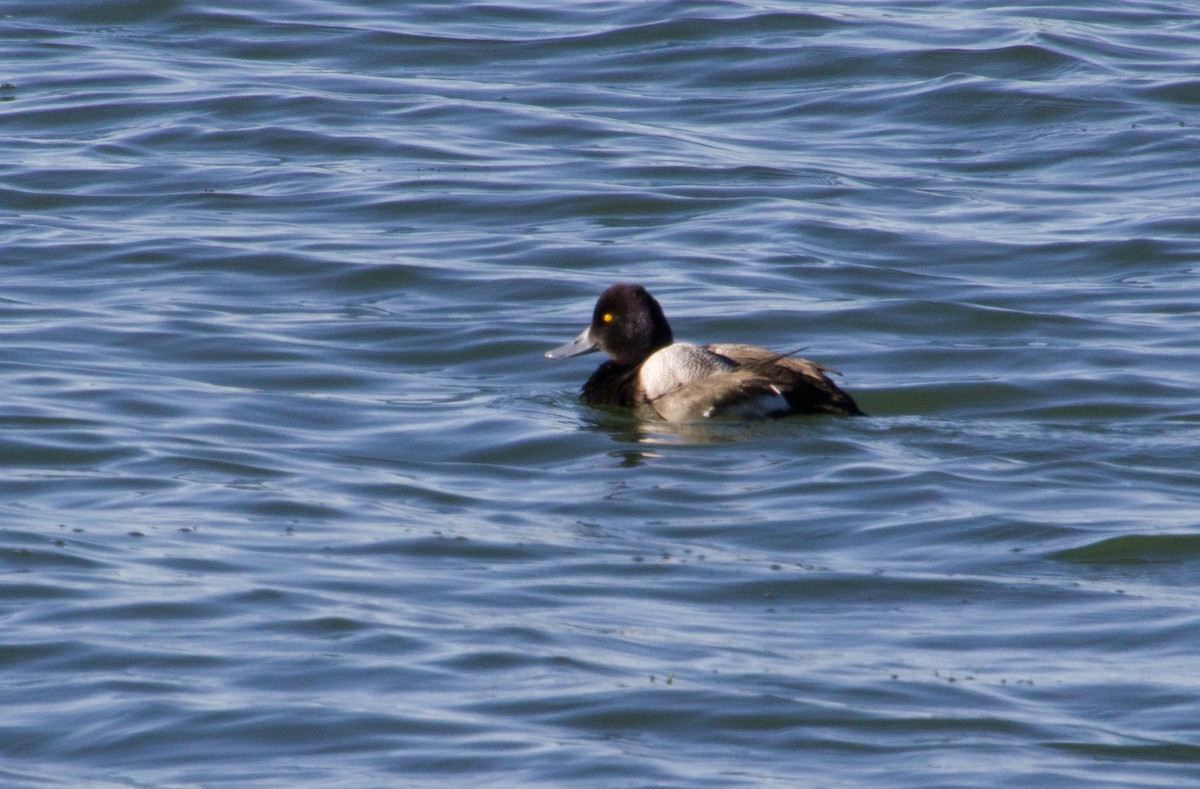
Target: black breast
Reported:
point(612, 384)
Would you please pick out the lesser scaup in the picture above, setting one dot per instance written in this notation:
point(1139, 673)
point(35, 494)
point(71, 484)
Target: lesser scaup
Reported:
point(681, 382)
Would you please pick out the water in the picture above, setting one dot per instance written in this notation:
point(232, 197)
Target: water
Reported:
point(290, 496)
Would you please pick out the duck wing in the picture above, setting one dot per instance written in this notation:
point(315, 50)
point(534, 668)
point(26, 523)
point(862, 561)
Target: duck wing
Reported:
point(740, 392)
point(805, 384)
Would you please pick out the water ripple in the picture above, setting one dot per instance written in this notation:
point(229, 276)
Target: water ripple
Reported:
point(290, 485)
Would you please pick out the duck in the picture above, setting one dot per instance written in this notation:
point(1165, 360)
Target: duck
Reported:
point(649, 372)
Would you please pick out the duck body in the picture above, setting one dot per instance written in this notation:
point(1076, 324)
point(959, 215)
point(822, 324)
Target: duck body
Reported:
point(680, 382)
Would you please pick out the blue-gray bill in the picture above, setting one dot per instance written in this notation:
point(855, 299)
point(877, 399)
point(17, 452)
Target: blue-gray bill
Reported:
point(577, 347)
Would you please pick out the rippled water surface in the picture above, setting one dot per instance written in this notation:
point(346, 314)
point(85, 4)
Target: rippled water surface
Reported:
point(292, 498)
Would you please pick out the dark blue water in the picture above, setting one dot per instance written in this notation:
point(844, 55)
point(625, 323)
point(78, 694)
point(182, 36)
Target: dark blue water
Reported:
point(290, 496)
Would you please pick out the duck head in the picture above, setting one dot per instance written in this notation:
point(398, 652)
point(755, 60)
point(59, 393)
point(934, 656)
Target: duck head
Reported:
point(628, 324)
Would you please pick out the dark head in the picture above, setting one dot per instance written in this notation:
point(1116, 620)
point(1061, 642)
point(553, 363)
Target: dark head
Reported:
point(627, 324)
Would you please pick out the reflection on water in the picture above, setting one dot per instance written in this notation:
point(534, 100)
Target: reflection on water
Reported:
point(627, 428)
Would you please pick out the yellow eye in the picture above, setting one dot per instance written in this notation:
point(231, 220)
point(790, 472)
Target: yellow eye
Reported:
point(607, 317)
